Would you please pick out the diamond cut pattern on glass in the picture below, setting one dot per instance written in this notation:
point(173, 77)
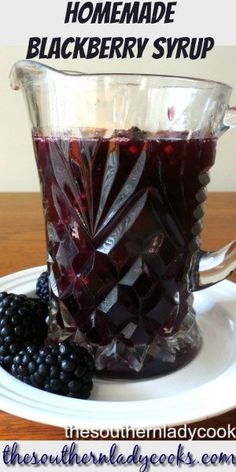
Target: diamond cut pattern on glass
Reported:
point(123, 218)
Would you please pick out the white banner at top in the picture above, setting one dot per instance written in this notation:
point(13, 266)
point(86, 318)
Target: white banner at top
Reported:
point(22, 19)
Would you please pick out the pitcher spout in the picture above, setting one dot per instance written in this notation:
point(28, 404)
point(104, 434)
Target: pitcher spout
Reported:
point(45, 92)
point(24, 73)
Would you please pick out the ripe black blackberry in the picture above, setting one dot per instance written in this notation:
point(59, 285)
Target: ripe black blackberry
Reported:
point(22, 322)
point(42, 287)
point(64, 368)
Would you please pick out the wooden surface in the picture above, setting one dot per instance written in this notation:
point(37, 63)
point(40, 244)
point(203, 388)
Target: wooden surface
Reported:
point(22, 245)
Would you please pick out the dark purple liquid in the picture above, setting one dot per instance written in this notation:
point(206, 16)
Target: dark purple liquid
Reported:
point(123, 219)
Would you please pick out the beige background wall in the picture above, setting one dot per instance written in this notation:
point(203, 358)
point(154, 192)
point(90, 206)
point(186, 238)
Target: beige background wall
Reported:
point(17, 167)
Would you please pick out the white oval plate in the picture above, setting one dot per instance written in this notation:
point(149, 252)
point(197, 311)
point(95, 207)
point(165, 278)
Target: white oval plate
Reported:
point(203, 388)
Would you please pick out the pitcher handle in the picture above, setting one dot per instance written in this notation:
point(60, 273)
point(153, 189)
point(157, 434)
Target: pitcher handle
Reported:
point(208, 268)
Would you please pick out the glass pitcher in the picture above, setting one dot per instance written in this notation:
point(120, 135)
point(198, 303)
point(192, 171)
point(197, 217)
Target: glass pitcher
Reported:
point(123, 162)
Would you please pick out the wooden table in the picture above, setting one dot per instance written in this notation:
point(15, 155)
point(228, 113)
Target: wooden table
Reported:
point(22, 245)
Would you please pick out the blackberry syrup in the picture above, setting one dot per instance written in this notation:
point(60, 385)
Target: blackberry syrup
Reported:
point(123, 220)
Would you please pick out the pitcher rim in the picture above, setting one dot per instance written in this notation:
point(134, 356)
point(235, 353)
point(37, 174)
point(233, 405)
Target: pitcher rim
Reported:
point(73, 73)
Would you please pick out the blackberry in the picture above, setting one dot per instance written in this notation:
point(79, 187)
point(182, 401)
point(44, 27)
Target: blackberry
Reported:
point(133, 133)
point(42, 287)
point(65, 369)
point(22, 322)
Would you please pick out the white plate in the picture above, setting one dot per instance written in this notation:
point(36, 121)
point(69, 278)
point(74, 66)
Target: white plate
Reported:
point(204, 388)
